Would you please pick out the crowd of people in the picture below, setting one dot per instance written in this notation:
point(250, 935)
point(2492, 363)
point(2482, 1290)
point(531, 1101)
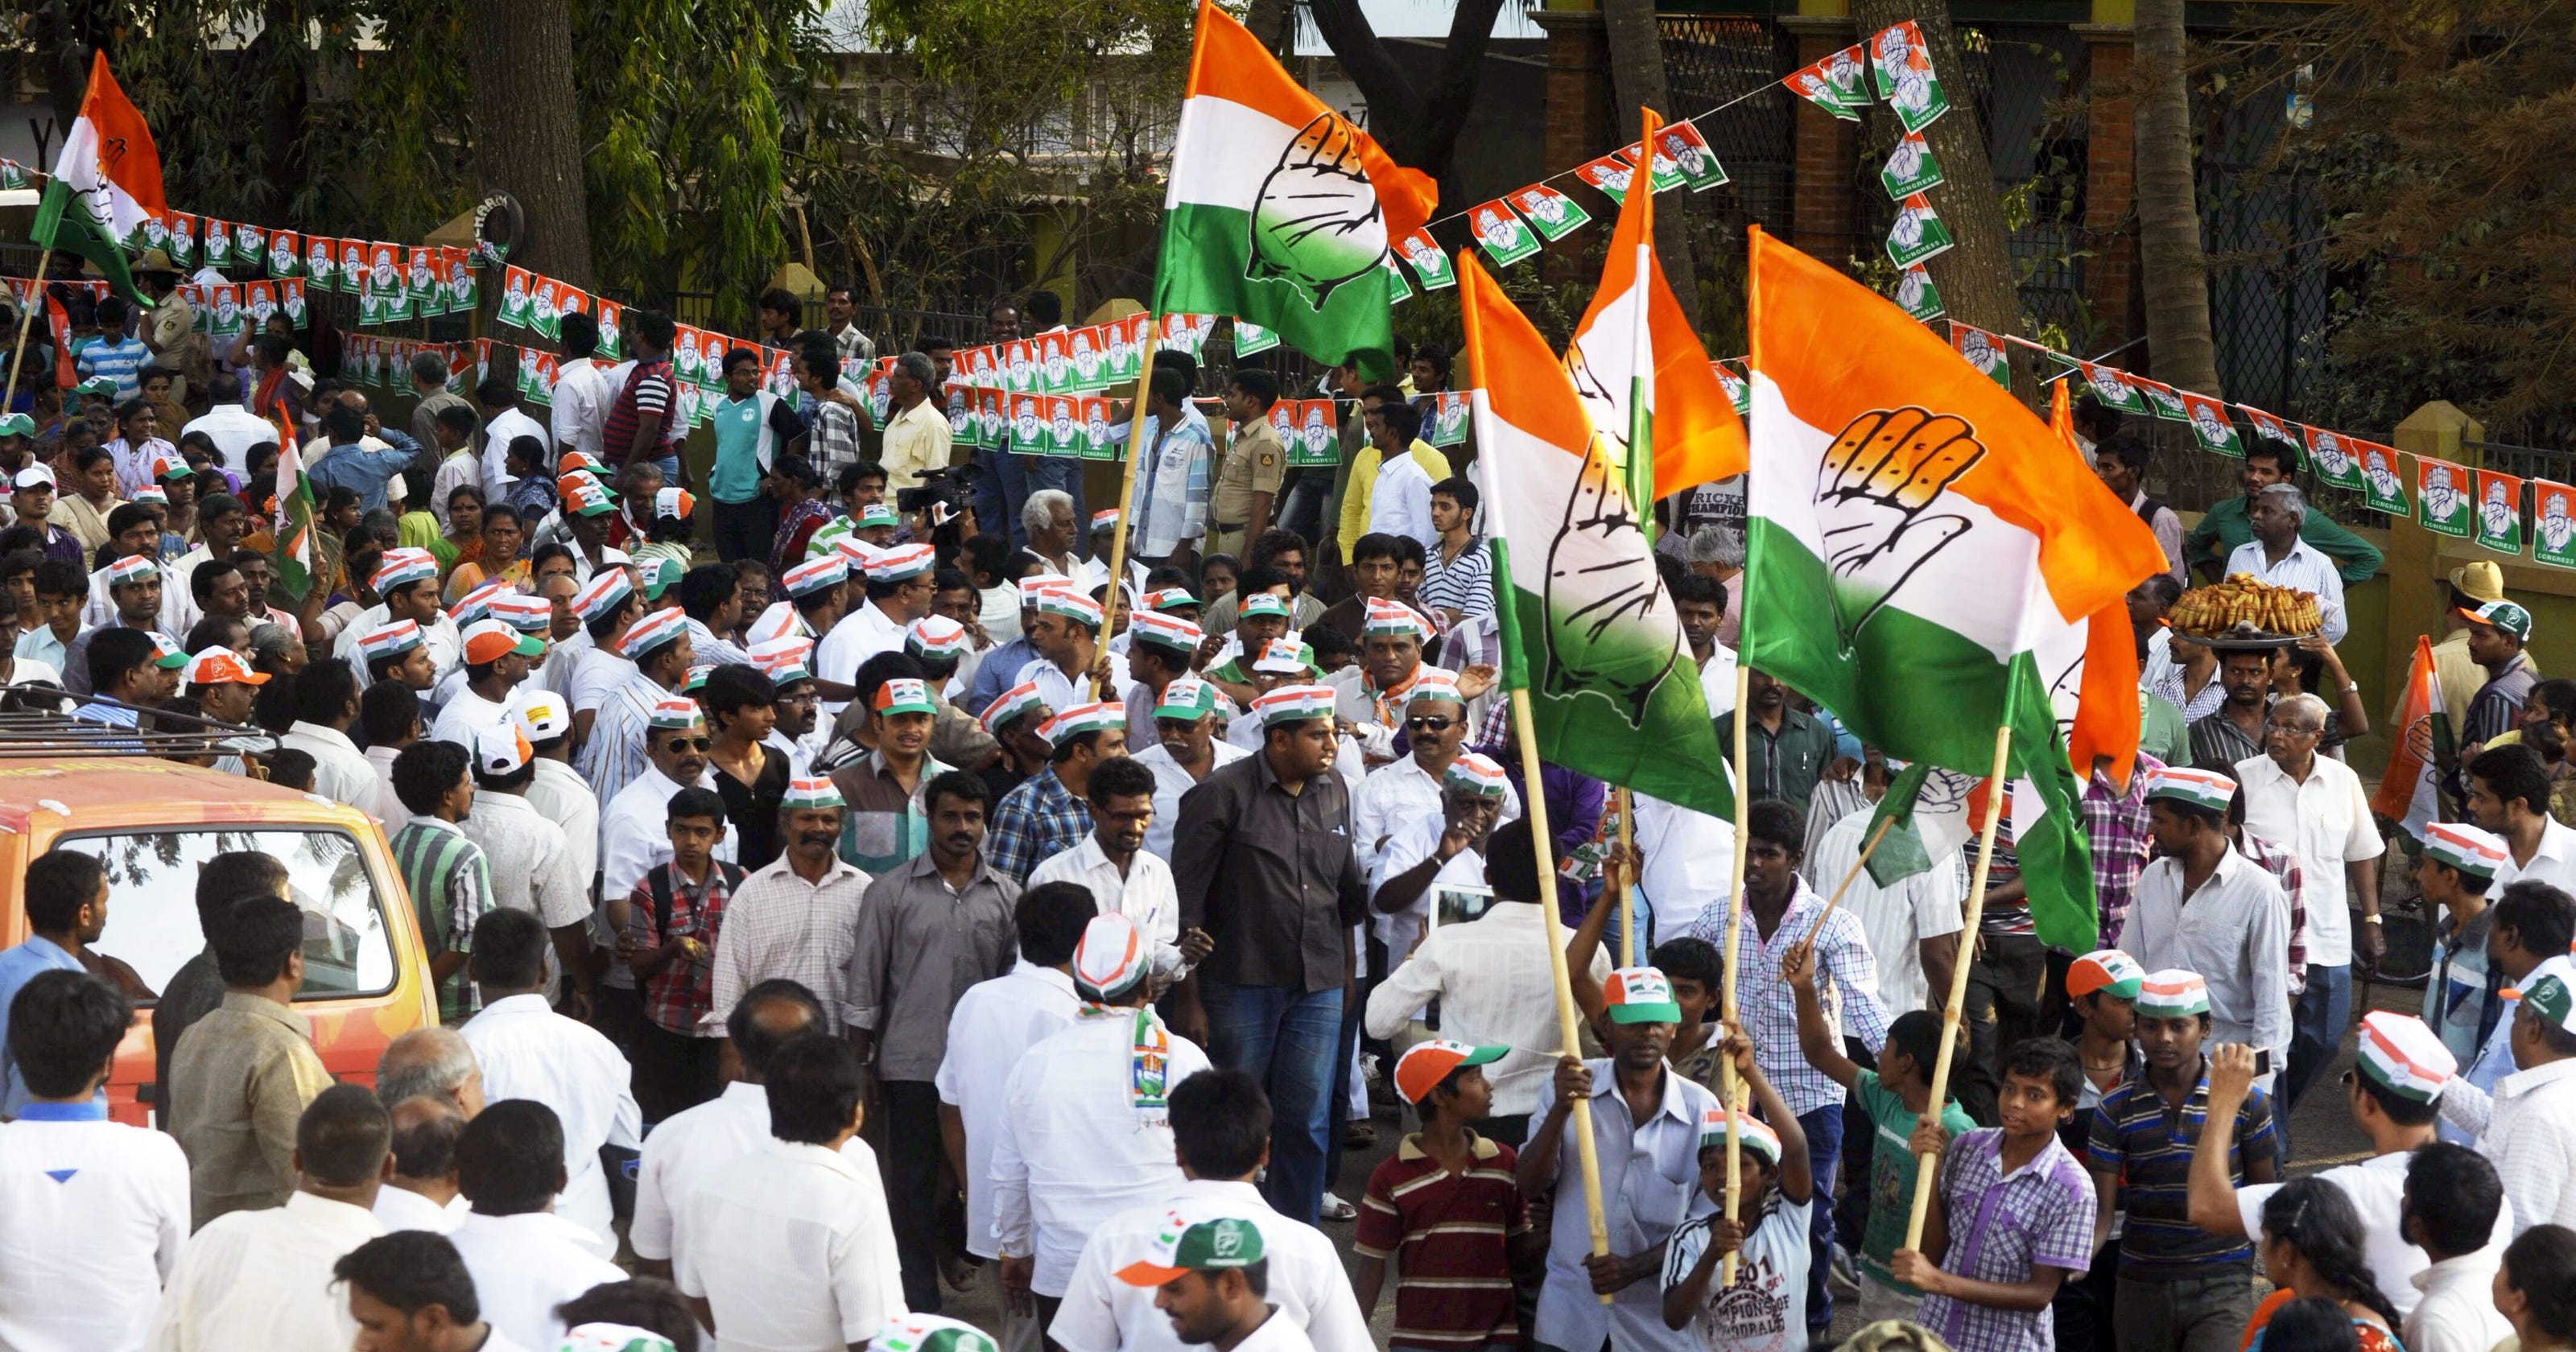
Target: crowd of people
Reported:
point(843, 886)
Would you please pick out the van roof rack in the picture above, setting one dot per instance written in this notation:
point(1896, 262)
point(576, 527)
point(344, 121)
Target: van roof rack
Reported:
point(36, 721)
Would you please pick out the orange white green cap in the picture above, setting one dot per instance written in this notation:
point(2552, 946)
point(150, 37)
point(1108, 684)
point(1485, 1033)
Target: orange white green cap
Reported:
point(1082, 718)
point(1641, 995)
point(1476, 773)
point(525, 613)
point(936, 636)
point(1196, 1237)
point(500, 749)
point(1164, 631)
point(601, 595)
point(132, 568)
point(677, 504)
point(815, 574)
point(491, 640)
point(671, 714)
point(1434, 685)
point(1751, 1133)
point(1186, 698)
point(389, 639)
point(1284, 656)
point(654, 631)
point(222, 666)
point(2197, 788)
point(898, 562)
point(1421, 1069)
point(2550, 992)
point(2172, 994)
point(151, 493)
point(1012, 703)
point(2403, 1056)
point(1393, 617)
point(2476, 853)
point(1170, 598)
point(903, 695)
point(877, 514)
point(783, 659)
point(2504, 615)
point(1293, 704)
point(1262, 603)
point(2107, 970)
point(931, 1333)
point(166, 652)
point(1071, 605)
point(1111, 957)
point(813, 794)
point(1104, 519)
point(477, 603)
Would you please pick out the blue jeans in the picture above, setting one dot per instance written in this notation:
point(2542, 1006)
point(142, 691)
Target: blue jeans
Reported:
point(1287, 1039)
point(1824, 1128)
point(994, 513)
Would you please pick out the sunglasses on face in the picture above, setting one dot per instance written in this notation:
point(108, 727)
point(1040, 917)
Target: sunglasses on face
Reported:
point(1430, 723)
point(691, 743)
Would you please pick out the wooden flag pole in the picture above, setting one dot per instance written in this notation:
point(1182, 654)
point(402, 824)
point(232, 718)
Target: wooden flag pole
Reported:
point(1126, 494)
point(1923, 1173)
point(1845, 885)
point(26, 315)
point(1727, 1084)
point(1623, 804)
point(1569, 1024)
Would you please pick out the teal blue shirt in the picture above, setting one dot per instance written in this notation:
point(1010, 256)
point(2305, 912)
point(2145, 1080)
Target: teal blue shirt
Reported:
point(748, 434)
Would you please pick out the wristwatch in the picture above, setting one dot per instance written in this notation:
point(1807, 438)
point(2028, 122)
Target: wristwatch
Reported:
point(2371, 919)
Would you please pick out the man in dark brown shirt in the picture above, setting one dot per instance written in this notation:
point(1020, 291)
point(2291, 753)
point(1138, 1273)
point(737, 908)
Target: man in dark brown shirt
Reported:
point(1263, 861)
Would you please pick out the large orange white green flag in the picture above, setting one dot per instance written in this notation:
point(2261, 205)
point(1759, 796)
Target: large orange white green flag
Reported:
point(1280, 211)
point(1923, 554)
point(106, 183)
point(2409, 791)
point(1586, 626)
point(1643, 376)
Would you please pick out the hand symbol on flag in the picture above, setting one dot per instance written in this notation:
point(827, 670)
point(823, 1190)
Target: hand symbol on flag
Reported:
point(1316, 223)
point(1873, 495)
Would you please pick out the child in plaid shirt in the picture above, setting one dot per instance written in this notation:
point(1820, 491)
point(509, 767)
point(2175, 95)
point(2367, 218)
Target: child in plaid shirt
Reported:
point(672, 919)
point(1445, 1207)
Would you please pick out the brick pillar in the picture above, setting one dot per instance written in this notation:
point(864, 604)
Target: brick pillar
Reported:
point(1821, 209)
point(2110, 184)
point(1578, 93)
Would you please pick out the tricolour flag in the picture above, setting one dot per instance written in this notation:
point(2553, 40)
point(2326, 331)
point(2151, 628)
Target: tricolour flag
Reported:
point(1642, 373)
point(1586, 627)
point(1279, 210)
point(1925, 557)
point(2409, 791)
point(295, 554)
point(106, 183)
point(2499, 511)
point(2553, 523)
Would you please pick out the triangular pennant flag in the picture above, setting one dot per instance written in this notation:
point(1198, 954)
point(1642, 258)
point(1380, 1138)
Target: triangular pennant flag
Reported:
point(2163, 399)
point(2553, 531)
point(2210, 426)
point(1910, 168)
point(2382, 490)
point(1501, 235)
point(1430, 266)
point(1809, 83)
point(2113, 387)
point(2332, 461)
point(2270, 428)
point(1667, 173)
point(1609, 175)
point(1681, 143)
point(1551, 213)
point(1918, 233)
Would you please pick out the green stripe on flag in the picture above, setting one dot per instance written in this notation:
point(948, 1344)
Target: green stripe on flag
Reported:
point(1207, 267)
point(1507, 619)
point(1641, 448)
point(65, 226)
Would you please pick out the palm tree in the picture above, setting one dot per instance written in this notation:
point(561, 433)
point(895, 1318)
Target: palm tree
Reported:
point(2174, 272)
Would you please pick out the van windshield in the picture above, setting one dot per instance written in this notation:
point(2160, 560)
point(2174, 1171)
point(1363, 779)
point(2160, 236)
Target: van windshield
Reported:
point(152, 904)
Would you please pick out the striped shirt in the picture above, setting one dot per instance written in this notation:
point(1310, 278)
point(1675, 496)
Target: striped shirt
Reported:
point(2115, 825)
point(1464, 584)
point(450, 881)
point(1447, 1235)
point(2147, 1143)
point(1034, 823)
point(1846, 985)
point(647, 390)
point(2001, 1227)
point(118, 361)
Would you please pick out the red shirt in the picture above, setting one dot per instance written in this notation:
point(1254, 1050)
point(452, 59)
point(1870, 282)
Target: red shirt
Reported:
point(676, 997)
point(1447, 1235)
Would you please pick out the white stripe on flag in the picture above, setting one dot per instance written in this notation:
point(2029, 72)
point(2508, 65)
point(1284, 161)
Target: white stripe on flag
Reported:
point(1225, 152)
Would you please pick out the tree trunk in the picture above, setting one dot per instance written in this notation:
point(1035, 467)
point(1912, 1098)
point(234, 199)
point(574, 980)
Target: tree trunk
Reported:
point(1419, 129)
point(1637, 79)
point(527, 133)
point(1274, 22)
point(1975, 275)
point(2175, 273)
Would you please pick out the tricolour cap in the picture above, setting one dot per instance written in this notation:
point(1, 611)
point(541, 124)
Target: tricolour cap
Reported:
point(2504, 615)
point(1393, 617)
point(1103, 519)
point(1436, 685)
point(660, 576)
point(1421, 1069)
point(898, 562)
point(151, 493)
point(1187, 698)
point(696, 680)
point(783, 659)
point(133, 568)
point(525, 613)
point(815, 574)
point(2199, 788)
point(1262, 603)
point(477, 603)
point(1196, 1236)
point(222, 666)
point(676, 504)
point(1751, 1132)
point(1111, 958)
point(2550, 993)
point(2404, 1056)
point(1170, 598)
point(1165, 631)
point(584, 496)
point(501, 749)
point(602, 594)
point(877, 514)
point(931, 1333)
point(1294, 703)
point(814, 794)
point(936, 636)
point(1641, 995)
point(2172, 994)
point(1283, 656)
point(542, 715)
point(1070, 604)
point(578, 462)
point(388, 640)
point(491, 640)
point(1476, 773)
point(167, 466)
point(1082, 718)
point(672, 715)
point(1012, 703)
point(655, 630)
point(779, 621)
point(2108, 970)
point(903, 695)
point(2466, 848)
point(166, 652)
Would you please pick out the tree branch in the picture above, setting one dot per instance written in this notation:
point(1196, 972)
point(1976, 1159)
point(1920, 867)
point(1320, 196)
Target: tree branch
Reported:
point(1395, 109)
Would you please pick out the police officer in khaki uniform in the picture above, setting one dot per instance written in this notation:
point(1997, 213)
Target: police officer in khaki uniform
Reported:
point(1247, 483)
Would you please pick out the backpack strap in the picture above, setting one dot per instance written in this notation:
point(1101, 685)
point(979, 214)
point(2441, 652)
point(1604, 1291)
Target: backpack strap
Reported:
point(658, 883)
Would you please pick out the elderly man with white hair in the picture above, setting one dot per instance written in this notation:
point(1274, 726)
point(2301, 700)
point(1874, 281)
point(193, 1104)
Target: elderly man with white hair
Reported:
point(1053, 531)
point(1717, 553)
point(2315, 805)
point(2278, 556)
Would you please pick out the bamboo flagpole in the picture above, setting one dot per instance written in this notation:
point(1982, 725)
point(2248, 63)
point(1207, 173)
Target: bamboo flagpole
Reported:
point(1995, 785)
point(1623, 804)
point(1569, 1023)
point(1126, 494)
point(1727, 1085)
point(1845, 885)
point(26, 315)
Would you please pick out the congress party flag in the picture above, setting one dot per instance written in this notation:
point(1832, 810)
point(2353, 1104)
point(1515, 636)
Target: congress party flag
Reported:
point(1500, 233)
point(2553, 529)
point(1917, 234)
point(2442, 503)
point(1924, 559)
point(1549, 212)
point(2268, 427)
point(2381, 488)
point(1586, 626)
point(1277, 205)
point(2410, 788)
point(1609, 174)
point(1689, 151)
point(1917, 296)
point(2163, 399)
point(2211, 428)
point(2499, 518)
point(1980, 349)
point(1836, 84)
point(2113, 387)
point(295, 555)
point(106, 183)
point(1430, 266)
point(1911, 168)
point(1905, 77)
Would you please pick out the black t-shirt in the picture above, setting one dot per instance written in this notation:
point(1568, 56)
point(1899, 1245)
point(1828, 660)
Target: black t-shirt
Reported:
point(753, 810)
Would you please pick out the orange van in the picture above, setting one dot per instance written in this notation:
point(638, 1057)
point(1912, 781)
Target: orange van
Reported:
point(151, 822)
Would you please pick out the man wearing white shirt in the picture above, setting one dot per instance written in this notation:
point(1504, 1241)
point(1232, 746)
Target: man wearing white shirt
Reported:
point(1066, 634)
point(411, 1292)
point(233, 428)
point(2316, 806)
point(496, 662)
point(634, 829)
point(1913, 926)
point(2453, 1212)
point(262, 1279)
point(1427, 853)
point(2278, 556)
point(2503, 798)
point(97, 1210)
point(326, 703)
point(389, 714)
point(791, 1244)
point(1674, 882)
point(530, 857)
point(1122, 875)
point(503, 422)
point(899, 589)
point(1408, 788)
point(558, 793)
point(1401, 502)
point(525, 1259)
point(2527, 1126)
point(528, 1051)
point(581, 394)
point(422, 1194)
point(1221, 1133)
point(1699, 603)
point(1079, 1141)
point(1185, 750)
point(2236, 924)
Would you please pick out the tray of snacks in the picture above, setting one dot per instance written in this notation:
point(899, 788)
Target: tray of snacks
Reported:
point(2245, 612)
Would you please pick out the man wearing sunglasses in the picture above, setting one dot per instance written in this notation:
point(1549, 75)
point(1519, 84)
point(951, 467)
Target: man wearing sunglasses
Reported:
point(634, 829)
point(1435, 729)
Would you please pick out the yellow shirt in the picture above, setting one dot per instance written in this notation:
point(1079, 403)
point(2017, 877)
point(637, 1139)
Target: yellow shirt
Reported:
point(1354, 519)
point(1254, 463)
point(916, 440)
